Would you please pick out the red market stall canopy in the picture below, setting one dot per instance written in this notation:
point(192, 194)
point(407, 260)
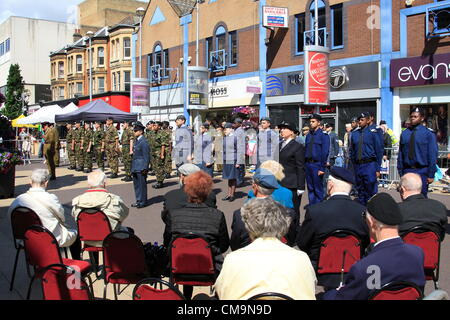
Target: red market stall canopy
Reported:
point(97, 110)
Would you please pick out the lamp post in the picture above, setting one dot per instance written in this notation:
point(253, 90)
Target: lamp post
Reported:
point(90, 34)
point(140, 12)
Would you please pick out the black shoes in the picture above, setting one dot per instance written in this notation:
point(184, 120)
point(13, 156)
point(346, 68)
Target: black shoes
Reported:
point(87, 170)
point(139, 205)
point(52, 178)
point(127, 178)
point(229, 198)
point(80, 169)
point(158, 185)
point(113, 176)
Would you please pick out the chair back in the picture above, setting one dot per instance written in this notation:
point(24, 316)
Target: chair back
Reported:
point(93, 225)
point(430, 243)
point(147, 289)
point(398, 290)
point(270, 296)
point(191, 260)
point(61, 282)
point(41, 247)
point(21, 219)
point(339, 250)
point(124, 253)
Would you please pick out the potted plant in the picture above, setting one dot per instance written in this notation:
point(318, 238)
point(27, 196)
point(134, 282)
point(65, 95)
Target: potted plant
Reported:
point(8, 163)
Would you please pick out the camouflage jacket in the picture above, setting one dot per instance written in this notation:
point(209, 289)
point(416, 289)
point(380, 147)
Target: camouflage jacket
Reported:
point(98, 137)
point(70, 136)
point(127, 136)
point(150, 136)
point(87, 137)
point(111, 135)
point(78, 135)
point(161, 139)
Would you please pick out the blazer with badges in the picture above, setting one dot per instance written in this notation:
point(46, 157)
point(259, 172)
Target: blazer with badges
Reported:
point(390, 260)
point(141, 155)
point(320, 149)
point(425, 147)
point(372, 147)
point(292, 158)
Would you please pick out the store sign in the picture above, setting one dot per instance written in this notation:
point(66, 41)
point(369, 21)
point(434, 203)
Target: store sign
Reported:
point(254, 87)
point(338, 77)
point(140, 96)
point(317, 87)
point(219, 92)
point(198, 89)
point(420, 71)
point(275, 17)
point(327, 109)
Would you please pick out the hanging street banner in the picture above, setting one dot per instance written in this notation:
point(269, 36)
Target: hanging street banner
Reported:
point(198, 89)
point(275, 17)
point(140, 96)
point(317, 76)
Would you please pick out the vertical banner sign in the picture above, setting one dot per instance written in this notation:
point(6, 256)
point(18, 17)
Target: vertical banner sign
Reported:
point(198, 88)
point(317, 76)
point(140, 96)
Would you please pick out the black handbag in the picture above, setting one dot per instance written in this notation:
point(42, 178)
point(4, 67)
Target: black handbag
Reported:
point(157, 260)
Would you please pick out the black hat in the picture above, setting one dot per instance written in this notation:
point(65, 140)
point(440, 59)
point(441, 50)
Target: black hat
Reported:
point(238, 120)
point(354, 119)
point(328, 125)
point(228, 125)
point(382, 122)
point(265, 119)
point(159, 123)
point(342, 174)
point(110, 118)
point(205, 125)
point(384, 208)
point(138, 126)
point(181, 117)
point(419, 110)
point(316, 116)
point(364, 115)
point(288, 125)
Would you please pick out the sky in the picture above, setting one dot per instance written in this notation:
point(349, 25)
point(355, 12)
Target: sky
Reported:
point(59, 10)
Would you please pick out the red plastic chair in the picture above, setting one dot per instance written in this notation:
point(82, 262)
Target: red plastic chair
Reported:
point(93, 225)
point(339, 250)
point(124, 260)
point(21, 219)
point(430, 243)
point(398, 290)
point(42, 250)
point(56, 279)
point(191, 261)
point(147, 290)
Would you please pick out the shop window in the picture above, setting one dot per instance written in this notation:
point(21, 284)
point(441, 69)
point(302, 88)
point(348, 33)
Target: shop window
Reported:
point(299, 32)
point(337, 27)
point(348, 110)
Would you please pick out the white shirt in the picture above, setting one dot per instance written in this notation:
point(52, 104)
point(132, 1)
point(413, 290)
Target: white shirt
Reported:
point(285, 143)
point(384, 240)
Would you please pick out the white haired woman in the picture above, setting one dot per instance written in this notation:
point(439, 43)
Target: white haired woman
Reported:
point(266, 264)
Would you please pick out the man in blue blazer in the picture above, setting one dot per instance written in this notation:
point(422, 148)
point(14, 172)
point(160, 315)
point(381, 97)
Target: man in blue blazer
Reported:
point(139, 166)
point(390, 260)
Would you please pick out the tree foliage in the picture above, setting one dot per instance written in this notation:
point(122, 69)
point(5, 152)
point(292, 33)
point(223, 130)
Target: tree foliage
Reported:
point(14, 90)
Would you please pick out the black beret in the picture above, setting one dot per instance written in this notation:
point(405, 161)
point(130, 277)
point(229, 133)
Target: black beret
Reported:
point(110, 118)
point(228, 125)
point(384, 208)
point(364, 115)
point(159, 123)
point(342, 174)
point(419, 110)
point(354, 119)
point(382, 122)
point(265, 119)
point(181, 117)
point(205, 125)
point(316, 116)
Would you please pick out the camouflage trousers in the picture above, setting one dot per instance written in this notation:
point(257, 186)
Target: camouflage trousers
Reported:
point(56, 157)
point(126, 160)
point(112, 158)
point(79, 159)
point(160, 167)
point(71, 156)
point(98, 155)
point(168, 162)
point(87, 158)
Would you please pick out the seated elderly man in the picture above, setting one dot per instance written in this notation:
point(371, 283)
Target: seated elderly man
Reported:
point(390, 260)
point(418, 210)
point(337, 213)
point(97, 197)
point(263, 186)
point(49, 210)
point(266, 265)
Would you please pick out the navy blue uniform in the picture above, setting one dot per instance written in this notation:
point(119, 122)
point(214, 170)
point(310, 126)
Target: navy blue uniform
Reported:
point(366, 156)
point(390, 260)
point(425, 149)
point(139, 169)
point(240, 135)
point(317, 148)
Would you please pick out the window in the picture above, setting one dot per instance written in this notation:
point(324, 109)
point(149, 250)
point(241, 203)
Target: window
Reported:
point(2, 48)
point(321, 19)
point(101, 85)
point(119, 87)
point(126, 76)
point(79, 63)
point(159, 57)
point(126, 48)
point(79, 87)
point(101, 56)
point(299, 32)
point(61, 93)
point(220, 38)
point(233, 48)
point(209, 48)
point(113, 50)
point(7, 45)
point(60, 69)
point(337, 30)
point(114, 81)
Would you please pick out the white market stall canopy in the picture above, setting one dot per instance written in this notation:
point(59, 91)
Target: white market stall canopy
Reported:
point(45, 114)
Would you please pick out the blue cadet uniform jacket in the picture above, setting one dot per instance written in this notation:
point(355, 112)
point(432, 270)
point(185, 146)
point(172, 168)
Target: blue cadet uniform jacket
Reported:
point(372, 147)
point(320, 149)
point(425, 147)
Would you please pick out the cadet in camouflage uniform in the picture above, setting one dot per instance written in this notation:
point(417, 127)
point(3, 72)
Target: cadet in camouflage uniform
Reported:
point(99, 145)
point(168, 155)
point(86, 147)
point(57, 145)
point(162, 142)
point(70, 152)
point(126, 141)
point(150, 136)
point(78, 136)
point(112, 147)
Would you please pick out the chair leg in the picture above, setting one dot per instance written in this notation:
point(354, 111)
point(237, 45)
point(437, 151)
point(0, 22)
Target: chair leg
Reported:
point(115, 291)
point(92, 261)
point(90, 285)
point(65, 252)
point(29, 287)
point(104, 291)
point(14, 270)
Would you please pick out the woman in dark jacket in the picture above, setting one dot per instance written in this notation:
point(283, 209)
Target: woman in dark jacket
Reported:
point(196, 217)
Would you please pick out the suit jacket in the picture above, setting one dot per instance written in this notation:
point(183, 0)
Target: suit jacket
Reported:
point(418, 210)
point(338, 212)
point(292, 157)
point(392, 260)
point(141, 155)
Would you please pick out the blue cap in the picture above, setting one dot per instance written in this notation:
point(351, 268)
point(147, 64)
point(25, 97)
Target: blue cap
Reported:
point(265, 179)
point(364, 115)
point(228, 125)
point(342, 174)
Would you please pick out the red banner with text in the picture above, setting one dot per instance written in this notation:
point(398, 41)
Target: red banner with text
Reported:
point(317, 76)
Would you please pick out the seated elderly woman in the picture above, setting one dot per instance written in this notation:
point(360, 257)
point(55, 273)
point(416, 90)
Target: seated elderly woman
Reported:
point(266, 264)
point(281, 194)
point(198, 218)
point(49, 210)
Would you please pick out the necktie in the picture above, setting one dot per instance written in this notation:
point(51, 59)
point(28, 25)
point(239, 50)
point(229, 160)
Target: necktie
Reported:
point(360, 145)
point(412, 145)
point(310, 146)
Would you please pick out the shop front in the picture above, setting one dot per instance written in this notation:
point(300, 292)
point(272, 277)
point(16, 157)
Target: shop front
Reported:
point(354, 88)
point(422, 82)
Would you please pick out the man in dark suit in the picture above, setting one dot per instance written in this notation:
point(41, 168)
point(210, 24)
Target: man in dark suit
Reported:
point(418, 210)
point(390, 260)
point(139, 166)
point(339, 212)
point(292, 158)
